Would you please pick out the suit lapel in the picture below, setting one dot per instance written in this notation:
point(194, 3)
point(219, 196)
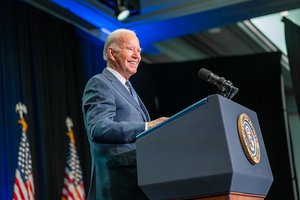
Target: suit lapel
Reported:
point(123, 91)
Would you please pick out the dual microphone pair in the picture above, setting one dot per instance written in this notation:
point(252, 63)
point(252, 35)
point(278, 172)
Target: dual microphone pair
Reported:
point(225, 87)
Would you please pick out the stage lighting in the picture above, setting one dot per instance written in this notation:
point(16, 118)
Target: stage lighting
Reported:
point(122, 11)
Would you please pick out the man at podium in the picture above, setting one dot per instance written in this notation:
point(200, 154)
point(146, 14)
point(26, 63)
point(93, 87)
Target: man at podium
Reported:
point(114, 115)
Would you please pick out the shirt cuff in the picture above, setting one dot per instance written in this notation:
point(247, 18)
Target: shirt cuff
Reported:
point(146, 126)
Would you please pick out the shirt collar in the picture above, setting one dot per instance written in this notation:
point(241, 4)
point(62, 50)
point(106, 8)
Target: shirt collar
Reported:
point(117, 75)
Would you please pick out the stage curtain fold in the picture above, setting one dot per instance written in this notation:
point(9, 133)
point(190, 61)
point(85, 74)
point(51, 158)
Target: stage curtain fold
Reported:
point(292, 38)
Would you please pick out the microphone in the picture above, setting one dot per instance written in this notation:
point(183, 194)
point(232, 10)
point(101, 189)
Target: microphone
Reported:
point(225, 87)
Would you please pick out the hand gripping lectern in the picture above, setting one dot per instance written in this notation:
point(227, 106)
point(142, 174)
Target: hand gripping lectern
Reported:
point(212, 150)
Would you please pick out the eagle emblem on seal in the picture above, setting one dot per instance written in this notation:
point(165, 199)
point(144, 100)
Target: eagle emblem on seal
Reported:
point(248, 138)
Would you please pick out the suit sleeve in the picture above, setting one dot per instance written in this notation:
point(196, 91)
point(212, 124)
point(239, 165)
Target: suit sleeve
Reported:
point(99, 110)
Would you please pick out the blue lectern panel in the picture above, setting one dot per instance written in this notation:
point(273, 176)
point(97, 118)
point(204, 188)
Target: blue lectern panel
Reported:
point(198, 152)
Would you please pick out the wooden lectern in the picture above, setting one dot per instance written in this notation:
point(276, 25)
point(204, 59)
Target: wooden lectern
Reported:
point(212, 150)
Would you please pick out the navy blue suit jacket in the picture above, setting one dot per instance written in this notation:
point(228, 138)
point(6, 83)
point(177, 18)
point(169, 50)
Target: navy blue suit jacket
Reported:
point(112, 119)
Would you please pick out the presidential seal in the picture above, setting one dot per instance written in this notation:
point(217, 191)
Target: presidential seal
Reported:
point(248, 138)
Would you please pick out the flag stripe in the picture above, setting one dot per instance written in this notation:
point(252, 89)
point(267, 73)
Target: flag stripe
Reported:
point(19, 185)
point(17, 194)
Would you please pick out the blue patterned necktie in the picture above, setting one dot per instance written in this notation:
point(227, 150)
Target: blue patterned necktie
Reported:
point(132, 91)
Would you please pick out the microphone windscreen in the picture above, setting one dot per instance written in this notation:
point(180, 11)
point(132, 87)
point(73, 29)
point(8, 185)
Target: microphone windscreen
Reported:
point(204, 74)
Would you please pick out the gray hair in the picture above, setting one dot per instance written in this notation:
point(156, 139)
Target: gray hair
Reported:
point(113, 37)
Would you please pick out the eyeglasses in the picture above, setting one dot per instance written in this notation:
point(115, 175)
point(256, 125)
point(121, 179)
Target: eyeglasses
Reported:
point(128, 48)
point(133, 49)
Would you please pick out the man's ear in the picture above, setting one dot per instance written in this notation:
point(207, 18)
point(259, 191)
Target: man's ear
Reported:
point(111, 54)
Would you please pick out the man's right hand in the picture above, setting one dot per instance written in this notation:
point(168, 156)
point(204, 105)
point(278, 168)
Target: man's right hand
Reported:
point(156, 122)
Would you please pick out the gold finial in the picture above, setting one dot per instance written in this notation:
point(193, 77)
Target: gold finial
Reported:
point(69, 124)
point(21, 109)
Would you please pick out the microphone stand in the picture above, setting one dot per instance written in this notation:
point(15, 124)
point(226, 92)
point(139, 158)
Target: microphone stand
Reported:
point(226, 88)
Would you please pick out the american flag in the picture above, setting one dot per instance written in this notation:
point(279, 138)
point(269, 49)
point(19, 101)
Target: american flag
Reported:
point(23, 185)
point(73, 183)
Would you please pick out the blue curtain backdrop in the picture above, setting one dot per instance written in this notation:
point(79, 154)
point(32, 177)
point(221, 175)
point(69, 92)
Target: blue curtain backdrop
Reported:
point(44, 63)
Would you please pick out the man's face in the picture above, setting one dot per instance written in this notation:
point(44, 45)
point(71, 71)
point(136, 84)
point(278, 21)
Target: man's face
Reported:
point(126, 55)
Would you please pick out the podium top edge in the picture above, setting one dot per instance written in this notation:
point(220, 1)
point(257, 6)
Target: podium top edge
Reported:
point(179, 114)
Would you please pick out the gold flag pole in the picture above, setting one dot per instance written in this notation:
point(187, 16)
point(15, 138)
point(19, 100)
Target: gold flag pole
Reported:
point(21, 109)
point(69, 124)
